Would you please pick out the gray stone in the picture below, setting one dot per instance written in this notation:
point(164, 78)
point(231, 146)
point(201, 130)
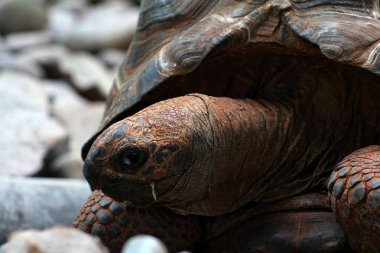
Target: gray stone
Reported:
point(22, 40)
point(39, 203)
point(10, 61)
point(144, 244)
point(28, 132)
point(110, 24)
point(87, 74)
point(71, 5)
point(2, 44)
point(81, 118)
point(61, 24)
point(112, 57)
point(22, 15)
point(54, 240)
point(46, 58)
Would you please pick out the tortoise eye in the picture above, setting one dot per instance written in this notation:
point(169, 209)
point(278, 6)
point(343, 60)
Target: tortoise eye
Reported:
point(130, 159)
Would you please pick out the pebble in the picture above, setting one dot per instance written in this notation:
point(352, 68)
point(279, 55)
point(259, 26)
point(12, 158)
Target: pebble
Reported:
point(112, 58)
point(61, 23)
point(47, 93)
point(11, 61)
point(111, 24)
point(53, 240)
point(80, 117)
point(144, 244)
point(22, 15)
point(23, 40)
point(28, 132)
point(87, 74)
point(39, 203)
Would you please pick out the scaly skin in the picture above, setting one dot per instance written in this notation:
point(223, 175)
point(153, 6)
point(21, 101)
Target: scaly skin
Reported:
point(354, 192)
point(114, 222)
point(300, 224)
point(210, 155)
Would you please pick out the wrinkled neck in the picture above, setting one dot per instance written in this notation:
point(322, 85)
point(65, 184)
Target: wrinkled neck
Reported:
point(232, 140)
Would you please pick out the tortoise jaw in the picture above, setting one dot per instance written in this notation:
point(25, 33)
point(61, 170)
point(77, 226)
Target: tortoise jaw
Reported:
point(139, 195)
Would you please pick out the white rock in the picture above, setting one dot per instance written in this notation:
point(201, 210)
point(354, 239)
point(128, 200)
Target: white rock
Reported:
point(47, 58)
point(87, 74)
point(73, 5)
point(22, 40)
point(39, 203)
point(61, 23)
point(80, 117)
point(144, 244)
point(28, 133)
point(10, 61)
point(54, 240)
point(111, 24)
point(112, 57)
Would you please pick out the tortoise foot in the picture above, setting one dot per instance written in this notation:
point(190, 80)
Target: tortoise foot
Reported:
point(354, 192)
point(114, 222)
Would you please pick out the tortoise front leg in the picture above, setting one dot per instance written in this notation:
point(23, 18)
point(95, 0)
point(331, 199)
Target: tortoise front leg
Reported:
point(354, 191)
point(114, 222)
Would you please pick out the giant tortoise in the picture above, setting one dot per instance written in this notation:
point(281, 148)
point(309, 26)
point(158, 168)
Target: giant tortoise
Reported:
point(226, 124)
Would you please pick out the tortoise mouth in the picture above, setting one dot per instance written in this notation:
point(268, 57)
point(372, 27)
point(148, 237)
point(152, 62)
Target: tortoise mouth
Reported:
point(138, 194)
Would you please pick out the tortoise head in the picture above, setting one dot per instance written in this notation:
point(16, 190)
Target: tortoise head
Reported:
point(141, 158)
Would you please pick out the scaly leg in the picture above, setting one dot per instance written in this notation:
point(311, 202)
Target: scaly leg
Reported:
point(354, 191)
point(114, 222)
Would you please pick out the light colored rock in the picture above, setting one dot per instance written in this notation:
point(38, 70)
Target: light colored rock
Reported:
point(144, 244)
point(2, 44)
point(110, 24)
point(28, 133)
point(112, 57)
point(47, 58)
point(87, 74)
point(61, 23)
point(72, 5)
point(22, 15)
point(54, 240)
point(22, 40)
point(81, 118)
point(44, 54)
point(39, 203)
point(10, 61)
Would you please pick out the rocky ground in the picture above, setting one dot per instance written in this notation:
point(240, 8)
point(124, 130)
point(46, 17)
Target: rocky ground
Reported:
point(57, 62)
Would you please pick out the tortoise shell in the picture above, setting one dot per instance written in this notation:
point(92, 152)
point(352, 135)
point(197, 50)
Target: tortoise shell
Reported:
point(196, 46)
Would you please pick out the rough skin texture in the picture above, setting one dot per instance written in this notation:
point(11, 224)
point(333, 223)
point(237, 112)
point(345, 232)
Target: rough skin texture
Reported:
point(211, 156)
point(300, 224)
point(114, 222)
point(311, 69)
point(354, 191)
